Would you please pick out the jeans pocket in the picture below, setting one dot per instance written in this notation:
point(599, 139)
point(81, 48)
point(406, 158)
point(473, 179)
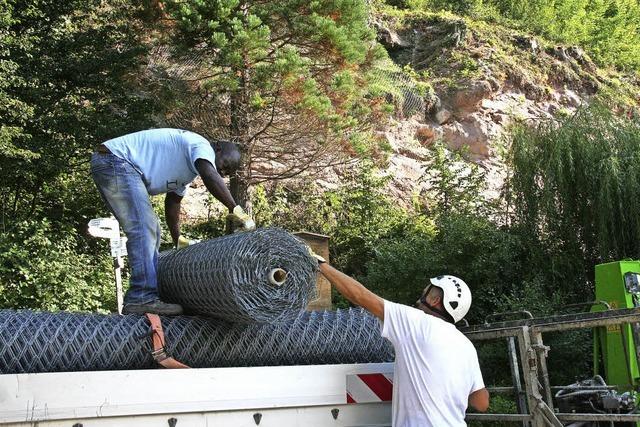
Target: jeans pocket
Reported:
point(101, 163)
point(122, 167)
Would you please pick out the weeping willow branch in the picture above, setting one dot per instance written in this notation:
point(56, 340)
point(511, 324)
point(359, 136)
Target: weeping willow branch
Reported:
point(576, 183)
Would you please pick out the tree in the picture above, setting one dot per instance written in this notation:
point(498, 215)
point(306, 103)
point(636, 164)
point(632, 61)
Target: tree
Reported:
point(455, 185)
point(66, 82)
point(283, 79)
point(575, 187)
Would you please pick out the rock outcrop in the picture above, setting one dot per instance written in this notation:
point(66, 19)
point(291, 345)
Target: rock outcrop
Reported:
point(481, 84)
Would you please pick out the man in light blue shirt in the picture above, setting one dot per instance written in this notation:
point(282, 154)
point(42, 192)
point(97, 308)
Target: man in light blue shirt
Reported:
point(128, 169)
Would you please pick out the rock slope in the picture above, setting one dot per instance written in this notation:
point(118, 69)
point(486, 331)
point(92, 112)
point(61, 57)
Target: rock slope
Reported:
point(480, 80)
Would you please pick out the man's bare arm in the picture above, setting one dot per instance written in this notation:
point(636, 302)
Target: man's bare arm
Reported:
point(214, 183)
point(354, 291)
point(172, 214)
point(479, 400)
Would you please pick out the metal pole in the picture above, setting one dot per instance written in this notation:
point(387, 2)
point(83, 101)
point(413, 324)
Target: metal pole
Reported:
point(625, 349)
point(635, 332)
point(542, 351)
point(541, 414)
point(117, 270)
point(530, 376)
point(515, 375)
point(548, 414)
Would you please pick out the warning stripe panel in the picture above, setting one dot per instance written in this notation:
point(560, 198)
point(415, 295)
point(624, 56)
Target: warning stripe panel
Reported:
point(365, 388)
point(379, 384)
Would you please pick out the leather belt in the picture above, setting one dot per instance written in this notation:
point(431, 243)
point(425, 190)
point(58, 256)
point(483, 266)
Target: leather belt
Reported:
point(102, 149)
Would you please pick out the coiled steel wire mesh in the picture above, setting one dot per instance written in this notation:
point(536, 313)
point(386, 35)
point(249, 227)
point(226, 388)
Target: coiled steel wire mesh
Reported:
point(228, 277)
point(32, 342)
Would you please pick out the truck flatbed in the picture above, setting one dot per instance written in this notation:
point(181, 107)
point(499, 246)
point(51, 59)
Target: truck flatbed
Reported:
point(313, 395)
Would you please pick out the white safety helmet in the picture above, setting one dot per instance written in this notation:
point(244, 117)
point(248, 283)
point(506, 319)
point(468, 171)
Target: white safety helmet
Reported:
point(456, 296)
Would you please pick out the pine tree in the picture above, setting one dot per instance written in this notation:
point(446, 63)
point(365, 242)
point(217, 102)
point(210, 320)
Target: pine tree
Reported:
point(283, 79)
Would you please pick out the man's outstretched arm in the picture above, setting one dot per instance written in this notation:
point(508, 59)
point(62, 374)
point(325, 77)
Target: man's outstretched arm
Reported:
point(214, 183)
point(354, 291)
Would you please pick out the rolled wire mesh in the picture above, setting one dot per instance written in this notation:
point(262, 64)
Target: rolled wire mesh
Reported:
point(32, 342)
point(229, 277)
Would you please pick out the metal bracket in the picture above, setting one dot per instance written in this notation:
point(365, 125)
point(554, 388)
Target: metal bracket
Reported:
point(541, 349)
point(257, 417)
point(533, 358)
point(334, 413)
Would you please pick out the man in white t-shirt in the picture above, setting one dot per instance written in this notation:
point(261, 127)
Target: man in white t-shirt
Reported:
point(129, 168)
point(437, 374)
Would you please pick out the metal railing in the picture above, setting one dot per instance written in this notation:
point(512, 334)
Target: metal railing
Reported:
point(527, 353)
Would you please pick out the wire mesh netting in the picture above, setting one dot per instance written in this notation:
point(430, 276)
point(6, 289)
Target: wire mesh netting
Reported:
point(32, 342)
point(232, 277)
point(400, 89)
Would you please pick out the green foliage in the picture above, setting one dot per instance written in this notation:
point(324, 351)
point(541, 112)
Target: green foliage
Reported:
point(489, 259)
point(538, 295)
point(499, 404)
point(47, 268)
point(65, 85)
point(457, 6)
point(455, 185)
point(575, 185)
point(285, 79)
point(608, 29)
point(357, 216)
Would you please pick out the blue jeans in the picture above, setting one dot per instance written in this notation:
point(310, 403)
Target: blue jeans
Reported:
point(123, 190)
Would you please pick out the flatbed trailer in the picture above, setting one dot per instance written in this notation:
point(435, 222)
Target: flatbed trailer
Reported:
point(313, 395)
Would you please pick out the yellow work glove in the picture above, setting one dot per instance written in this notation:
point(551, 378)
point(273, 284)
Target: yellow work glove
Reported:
point(183, 242)
point(239, 217)
point(315, 255)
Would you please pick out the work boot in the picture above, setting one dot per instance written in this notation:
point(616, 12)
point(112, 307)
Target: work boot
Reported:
point(154, 307)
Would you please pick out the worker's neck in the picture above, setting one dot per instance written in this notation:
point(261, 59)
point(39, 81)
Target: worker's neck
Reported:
point(435, 311)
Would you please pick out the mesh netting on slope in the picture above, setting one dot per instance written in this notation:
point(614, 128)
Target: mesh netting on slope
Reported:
point(229, 277)
point(32, 342)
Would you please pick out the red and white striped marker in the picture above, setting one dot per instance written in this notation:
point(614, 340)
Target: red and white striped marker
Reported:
point(366, 388)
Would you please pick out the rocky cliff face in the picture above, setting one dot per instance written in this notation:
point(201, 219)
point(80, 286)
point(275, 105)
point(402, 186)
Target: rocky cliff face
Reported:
point(481, 80)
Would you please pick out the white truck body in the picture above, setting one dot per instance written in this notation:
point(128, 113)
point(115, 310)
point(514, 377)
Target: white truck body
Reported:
point(313, 395)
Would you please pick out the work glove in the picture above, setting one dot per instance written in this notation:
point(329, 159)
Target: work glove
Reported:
point(239, 217)
point(315, 255)
point(183, 242)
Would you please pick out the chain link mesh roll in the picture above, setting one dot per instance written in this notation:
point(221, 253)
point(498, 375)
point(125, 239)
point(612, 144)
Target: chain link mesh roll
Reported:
point(32, 342)
point(266, 275)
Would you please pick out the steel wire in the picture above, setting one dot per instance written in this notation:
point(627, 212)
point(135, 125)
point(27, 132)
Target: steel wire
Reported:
point(32, 342)
point(228, 277)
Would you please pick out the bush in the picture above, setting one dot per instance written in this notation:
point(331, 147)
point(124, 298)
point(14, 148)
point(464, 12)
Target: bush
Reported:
point(488, 258)
point(44, 267)
point(499, 404)
point(357, 216)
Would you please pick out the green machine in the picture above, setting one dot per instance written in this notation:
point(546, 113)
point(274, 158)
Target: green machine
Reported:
point(615, 353)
